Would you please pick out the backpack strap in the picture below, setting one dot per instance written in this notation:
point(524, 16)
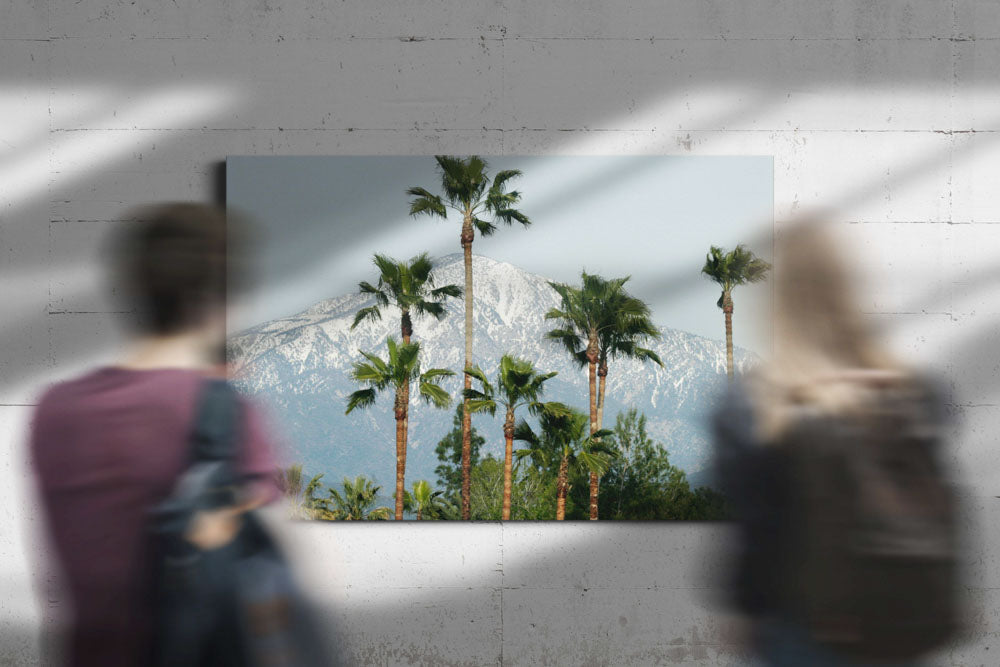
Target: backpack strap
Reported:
point(214, 435)
point(214, 440)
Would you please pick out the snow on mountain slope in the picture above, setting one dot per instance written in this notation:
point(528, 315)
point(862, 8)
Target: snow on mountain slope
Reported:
point(301, 366)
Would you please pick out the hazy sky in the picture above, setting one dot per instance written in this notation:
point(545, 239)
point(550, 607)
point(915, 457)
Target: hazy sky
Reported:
point(321, 218)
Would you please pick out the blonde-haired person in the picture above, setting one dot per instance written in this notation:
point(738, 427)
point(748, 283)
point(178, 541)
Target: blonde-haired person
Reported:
point(828, 452)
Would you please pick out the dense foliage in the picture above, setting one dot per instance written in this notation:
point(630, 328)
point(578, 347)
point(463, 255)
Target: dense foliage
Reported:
point(642, 484)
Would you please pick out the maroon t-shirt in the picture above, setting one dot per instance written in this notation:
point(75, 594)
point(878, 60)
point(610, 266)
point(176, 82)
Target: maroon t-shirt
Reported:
point(106, 448)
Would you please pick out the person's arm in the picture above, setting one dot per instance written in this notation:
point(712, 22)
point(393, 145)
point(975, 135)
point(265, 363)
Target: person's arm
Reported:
point(211, 529)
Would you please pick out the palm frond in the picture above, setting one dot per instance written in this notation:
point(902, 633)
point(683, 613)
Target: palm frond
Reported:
point(432, 373)
point(376, 377)
point(432, 308)
point(485, 227)
point(594, 462)
point(511, 215)
point(446, 291)
point(487, 405)
point(421, 268)
point(371, 314)
point(477, 373)
point(426, 203)
point(434, 394)
point(501, 177)
point(556, 409)
point(524, 433)
point(380, 514)
point(362, 398)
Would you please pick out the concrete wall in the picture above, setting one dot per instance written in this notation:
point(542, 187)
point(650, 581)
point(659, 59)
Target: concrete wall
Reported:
point(886, 112)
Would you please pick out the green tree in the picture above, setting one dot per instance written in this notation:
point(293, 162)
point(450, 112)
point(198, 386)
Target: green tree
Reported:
point(449, 453)
point(597, 322)
point(532, 493)
point(356, 501)
point(730, 270)
point(564, 436)
point(426, 502)
point(482, 204)
point(518, 385)
point(289, 481)
point(400, 369)
point(486, 502)
point(314, 507)
point(641, 483)
point(534, 489)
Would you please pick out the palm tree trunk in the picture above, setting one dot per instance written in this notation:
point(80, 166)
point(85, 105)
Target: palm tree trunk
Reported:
point(595, 482)
point(400, 411)
point(561, 484)
point(592, 378)
point(467, 237)
point(406, 330)
point(602, 373)
point(508, 461)
point(420, 513)
point(728, 310)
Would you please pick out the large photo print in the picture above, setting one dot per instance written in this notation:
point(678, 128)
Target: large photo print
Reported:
point(498, 337)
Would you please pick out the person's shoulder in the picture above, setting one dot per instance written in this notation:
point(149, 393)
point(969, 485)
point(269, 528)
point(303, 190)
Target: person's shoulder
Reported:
point(734, 416)
point(736, 397)
point(929, 394)
point(65, 391)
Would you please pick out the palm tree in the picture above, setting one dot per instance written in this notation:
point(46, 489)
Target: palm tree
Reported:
point(600, 321)
point(425, 500)
point(289, 481)
point(482, 204)
point(730, 269)
point(355, 503)
point(565, 433)
point(408, 286)
point(313, 507)
point(518, 384)
point(401, 368)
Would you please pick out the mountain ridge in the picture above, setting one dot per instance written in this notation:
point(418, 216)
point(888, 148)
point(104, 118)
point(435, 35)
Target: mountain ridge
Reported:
point(300, 364)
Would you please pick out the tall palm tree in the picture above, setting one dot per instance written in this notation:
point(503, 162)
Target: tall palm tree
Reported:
point(355, 503)
point(600, 321)
point(565, 433)
point(401, 368)
point(730, 269)
point(518, 384)
point(409, 286)
point(482, 204)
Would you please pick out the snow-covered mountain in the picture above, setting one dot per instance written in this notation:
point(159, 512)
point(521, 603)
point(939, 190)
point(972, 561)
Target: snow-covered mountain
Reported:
point(300, 365)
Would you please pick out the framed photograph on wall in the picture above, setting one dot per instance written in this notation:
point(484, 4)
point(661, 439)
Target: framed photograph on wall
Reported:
point(573, 381)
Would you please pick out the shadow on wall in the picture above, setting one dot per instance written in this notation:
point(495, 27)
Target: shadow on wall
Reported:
point(611, 600)
point(521, 593)
point(768, 76)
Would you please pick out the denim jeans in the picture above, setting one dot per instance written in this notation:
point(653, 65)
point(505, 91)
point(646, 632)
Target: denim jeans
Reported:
point(786, 644)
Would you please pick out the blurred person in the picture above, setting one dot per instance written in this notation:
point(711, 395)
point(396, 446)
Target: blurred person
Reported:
point(108, 446)
point(830, 455)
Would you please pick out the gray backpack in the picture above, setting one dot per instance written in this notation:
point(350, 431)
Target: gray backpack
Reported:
point(874, 542)
point(238, 605)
